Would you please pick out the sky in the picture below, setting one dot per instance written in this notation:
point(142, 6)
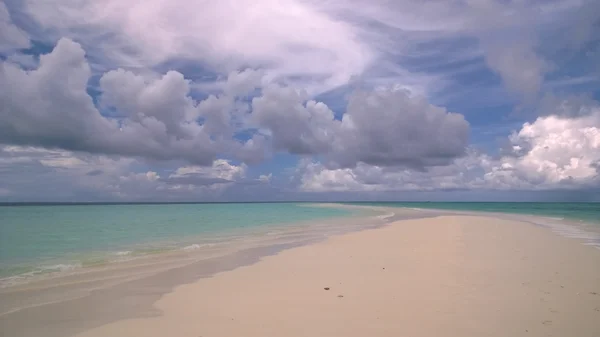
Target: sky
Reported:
point(275, 100)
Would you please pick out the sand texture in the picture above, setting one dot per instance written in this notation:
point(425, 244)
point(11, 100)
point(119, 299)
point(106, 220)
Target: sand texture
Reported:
point(444, 276)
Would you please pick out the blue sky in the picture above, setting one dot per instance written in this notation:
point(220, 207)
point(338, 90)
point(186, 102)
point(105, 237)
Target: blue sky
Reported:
point(113, 100)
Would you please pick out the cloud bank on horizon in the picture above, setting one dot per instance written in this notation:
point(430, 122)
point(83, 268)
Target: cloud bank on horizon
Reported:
point(299, 100)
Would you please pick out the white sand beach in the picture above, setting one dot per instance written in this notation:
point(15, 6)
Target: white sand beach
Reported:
point(443, 276)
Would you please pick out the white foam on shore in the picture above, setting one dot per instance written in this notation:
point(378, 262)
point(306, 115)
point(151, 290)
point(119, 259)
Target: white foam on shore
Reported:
point(196, 246)
point(567, 228)
point(386, 216)
point(191, 247)
point(11, 280)
point(61, 267)
point(551, 218)
point(50, 269)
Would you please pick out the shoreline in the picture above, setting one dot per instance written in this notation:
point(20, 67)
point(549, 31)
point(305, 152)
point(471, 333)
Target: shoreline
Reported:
point(566, 227)
point(166, 281)
point(89, 260)
point(450, 275)
point(569, 227)
point(58, 294)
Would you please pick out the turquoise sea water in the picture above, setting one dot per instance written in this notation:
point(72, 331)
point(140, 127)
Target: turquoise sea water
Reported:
point(56, 237)
point(585, 212)
point(38, 239)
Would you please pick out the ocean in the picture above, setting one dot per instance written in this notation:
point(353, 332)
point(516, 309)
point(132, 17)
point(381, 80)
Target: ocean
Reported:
point(50, 238)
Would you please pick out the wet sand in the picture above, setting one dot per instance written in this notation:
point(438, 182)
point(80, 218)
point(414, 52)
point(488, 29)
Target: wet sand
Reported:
point(443, 276)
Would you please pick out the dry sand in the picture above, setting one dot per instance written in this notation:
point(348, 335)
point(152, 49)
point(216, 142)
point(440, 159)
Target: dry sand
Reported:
point(445, 276)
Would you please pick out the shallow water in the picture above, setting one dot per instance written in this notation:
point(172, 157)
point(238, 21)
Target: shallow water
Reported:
point(58, 238)
point(587, 212)
point(572, 220)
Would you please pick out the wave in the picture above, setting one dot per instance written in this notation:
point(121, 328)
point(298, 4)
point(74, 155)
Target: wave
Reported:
point(567, 228)
point(61, 267)
point(386, 216)
point(196, 246)
point(37, 271)
point(552, 218)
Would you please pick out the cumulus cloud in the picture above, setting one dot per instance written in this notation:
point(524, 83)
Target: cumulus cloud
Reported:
point(50, 107)
point(391, 127)
point(154, 116)
point(227, 112)
point(552, 152)
point(163, 99)
point(383, 127)
point(294, 124)
point(24, 60)
point(560, 152)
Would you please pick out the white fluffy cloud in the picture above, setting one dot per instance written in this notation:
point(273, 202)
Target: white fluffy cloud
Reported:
point(294, 123)
point(383, 127)
point(552, 152)
point(154, 116)
point(50, 107)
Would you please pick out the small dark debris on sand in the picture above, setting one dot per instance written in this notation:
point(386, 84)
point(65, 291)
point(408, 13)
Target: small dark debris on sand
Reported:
point(594, 293)
point(326, 288)
point(383, 268)
point(340, 296)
